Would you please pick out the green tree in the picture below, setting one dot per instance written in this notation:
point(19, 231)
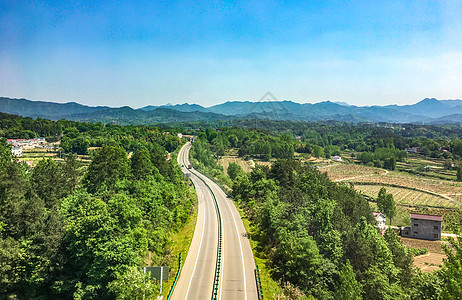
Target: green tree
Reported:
point(426, 286)
point(72, 171)
point(451, 271)
point(48, 182)
point(318, 151)
point(459, 173)
point(141, 164)
point(234, 170)
point(109, 165)
point(297, 259)
point(133, 284)
point(386, 204)
point(348, 288)
point(402, 258)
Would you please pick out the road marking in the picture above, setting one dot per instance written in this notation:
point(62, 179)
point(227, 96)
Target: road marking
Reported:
point(222, 257)
point(198, 252)
point(240, 245)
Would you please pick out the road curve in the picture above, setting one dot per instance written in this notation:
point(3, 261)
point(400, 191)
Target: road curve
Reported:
point(237, 280)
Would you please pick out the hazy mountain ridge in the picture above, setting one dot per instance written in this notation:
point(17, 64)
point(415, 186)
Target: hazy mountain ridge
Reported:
point(428, 110)
point(44, 109)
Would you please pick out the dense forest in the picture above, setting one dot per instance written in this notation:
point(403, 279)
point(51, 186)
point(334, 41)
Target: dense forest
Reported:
point(374, 145)
point(74, 232)
point(320, 236)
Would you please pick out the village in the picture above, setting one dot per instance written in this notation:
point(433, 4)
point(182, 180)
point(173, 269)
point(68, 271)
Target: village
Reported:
point(34, 148)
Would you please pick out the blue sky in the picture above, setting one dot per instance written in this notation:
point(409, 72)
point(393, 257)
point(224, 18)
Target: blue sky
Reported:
point(154, 52)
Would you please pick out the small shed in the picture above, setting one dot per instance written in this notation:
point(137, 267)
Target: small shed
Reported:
point(427, 227)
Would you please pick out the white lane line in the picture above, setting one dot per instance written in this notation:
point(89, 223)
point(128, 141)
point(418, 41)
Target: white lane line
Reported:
point(240, 244)
point(222, 256)
point(198, 252)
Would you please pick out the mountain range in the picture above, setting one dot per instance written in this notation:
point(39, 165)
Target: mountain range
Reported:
point(429, 110)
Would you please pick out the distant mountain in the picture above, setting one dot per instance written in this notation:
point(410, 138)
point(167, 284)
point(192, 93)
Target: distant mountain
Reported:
point(432, 108)
point(126, 115)
point(179, 107)
point(428, 110)
point(49, 110)
point(450, 119)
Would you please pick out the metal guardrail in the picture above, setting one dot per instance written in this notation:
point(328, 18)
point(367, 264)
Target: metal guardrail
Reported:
point(176, 277)
point(259, 288)
point(216, 281)
point(222, 187)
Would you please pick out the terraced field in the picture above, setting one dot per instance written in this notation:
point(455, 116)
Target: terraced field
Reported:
point(444, 187)
point(407, 196)
point(226, 160)
point(406, 188)
point(343, 172)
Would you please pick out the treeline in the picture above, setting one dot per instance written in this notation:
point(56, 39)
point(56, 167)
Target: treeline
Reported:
point(324, 139)
point(77, 137)
point(249, 143)
point(383, 157)
point(67, 232)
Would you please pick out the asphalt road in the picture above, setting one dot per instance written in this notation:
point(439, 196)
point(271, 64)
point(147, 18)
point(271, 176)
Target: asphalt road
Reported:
point(237, 280)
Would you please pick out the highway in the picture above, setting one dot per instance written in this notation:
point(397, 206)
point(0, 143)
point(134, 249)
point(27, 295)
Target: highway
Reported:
point(236, 279)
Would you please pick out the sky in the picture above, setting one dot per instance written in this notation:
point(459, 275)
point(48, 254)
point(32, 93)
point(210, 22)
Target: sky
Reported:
point(139, 53)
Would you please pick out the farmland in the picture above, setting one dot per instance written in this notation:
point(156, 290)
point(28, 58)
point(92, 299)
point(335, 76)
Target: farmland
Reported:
point(406, 188)
point(407, 196)
point(430, 261)
point(345, 172)
point(33, 156)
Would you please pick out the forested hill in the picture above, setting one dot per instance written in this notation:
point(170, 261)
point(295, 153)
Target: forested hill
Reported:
point(44, 109)
point(126, 115)
point(69, 231)
point(428, 111)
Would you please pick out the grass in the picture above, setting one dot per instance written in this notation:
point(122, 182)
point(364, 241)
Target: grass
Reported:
point(181, 241)
point(269, 285)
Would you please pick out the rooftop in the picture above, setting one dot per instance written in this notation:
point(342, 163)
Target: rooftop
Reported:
point(426, 217)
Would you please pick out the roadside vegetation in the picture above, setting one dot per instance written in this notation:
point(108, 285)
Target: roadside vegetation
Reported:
point(69, 231)
point(317, 238)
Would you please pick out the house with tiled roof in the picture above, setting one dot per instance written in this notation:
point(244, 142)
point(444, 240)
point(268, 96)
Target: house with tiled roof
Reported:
point(427, 227)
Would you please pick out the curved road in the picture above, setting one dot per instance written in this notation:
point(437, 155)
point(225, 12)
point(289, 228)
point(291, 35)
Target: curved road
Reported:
point(237, 280)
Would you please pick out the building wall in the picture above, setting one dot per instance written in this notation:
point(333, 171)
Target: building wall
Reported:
point(17, 151)
point(423, 229)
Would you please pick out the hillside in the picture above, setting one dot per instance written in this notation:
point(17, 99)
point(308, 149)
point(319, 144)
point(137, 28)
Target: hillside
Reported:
point(44, 109)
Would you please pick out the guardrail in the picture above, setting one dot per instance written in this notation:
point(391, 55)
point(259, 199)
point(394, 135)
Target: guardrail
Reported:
point(222, 187)
point(216, 281)
point(176, 277)
point(259, 288)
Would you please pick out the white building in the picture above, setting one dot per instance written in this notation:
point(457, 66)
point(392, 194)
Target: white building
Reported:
point(336, 158)
point(17, 151)
point(380, 218)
